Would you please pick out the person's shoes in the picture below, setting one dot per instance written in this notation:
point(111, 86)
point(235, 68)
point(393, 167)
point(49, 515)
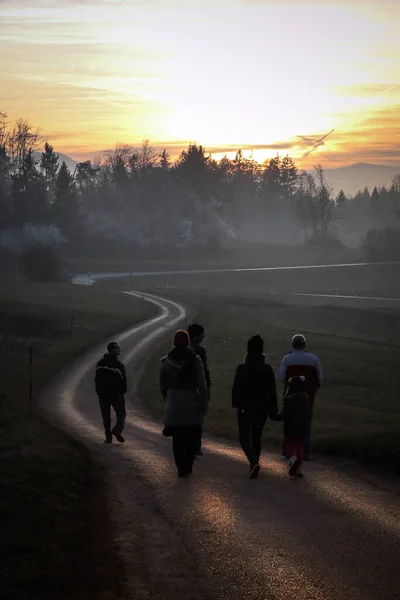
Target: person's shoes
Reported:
point(108, 439)
point(254, 471)
point(118, 435)
point(294, 465)
point(182, 473)
point(299, 474)
point(199, 452)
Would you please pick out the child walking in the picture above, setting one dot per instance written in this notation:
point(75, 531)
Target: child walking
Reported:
point(296, 417)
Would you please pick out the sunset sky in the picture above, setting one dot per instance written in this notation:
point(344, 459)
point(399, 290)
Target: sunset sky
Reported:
point(229, 74)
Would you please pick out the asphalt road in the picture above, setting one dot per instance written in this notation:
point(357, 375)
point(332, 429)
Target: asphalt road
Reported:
point(218, 534)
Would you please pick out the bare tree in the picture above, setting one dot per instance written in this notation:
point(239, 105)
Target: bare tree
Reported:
point(119, 157)
point(305, 209)
point(148, 157)
point(396, 183)
point(3, 130)
point(22, 140)
point(326, 205)
point(118, 164)
point(5, 180)
point(315, 207)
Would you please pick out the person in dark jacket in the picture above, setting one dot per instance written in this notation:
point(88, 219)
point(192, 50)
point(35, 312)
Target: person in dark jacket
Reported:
point(196, 335)
point(254, 396)
point(111, 386)
point(296, 417)
point(184, 390)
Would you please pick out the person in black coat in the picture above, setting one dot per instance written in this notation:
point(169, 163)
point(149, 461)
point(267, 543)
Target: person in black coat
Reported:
point(254, 397)
point(111, 387)
point(296, 416)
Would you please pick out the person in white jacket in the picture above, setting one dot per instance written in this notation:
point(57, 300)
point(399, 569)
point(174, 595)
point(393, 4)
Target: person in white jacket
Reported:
point(301, 363)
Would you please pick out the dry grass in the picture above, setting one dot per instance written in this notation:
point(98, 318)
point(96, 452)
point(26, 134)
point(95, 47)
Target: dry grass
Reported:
point(357, 412)
point(55, 536)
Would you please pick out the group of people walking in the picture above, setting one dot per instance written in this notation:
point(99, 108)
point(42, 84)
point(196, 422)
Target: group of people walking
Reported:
point(185, 386)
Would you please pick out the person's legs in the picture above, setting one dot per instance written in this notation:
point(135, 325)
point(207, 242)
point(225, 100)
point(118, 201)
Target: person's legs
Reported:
point(118, 405)
point(256, 435)
point(179, 449)
point(300, 458)
point(192, 443)
point(307, 440)
point(105, 407)
point(294, 448)
point(120, 412)
point(299, 450)
point(290, 446)
point(245, 431)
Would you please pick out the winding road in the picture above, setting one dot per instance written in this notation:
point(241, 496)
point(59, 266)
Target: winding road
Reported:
point(218, 534)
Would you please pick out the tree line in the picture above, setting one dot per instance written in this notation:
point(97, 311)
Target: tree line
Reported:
point(141, 197)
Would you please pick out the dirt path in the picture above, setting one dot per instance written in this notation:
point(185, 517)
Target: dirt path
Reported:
point(217, 534)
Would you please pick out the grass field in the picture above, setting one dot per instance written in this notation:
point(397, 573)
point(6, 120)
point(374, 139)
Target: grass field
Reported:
point(369, 280)
point(55, 537)
point(357, 411)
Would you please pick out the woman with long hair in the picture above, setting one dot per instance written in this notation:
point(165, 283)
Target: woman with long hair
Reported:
point(184, 390)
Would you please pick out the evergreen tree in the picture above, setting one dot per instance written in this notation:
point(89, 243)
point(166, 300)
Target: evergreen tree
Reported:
point(341, 198)
point(65, 206)
point(375, 203)
point(288, 178)
point(193, 172)
point(165, 161)
point(49, 165)
point(270, 186)
point(86, 176)
point(375, 196)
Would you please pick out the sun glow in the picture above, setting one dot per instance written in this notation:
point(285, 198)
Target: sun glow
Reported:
point(268, 76)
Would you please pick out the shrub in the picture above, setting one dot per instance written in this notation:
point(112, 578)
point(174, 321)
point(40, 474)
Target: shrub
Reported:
point(40, 262)
point(382, 244)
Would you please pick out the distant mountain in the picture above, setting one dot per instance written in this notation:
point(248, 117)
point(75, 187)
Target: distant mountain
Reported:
point(361, 175)
point(70, 162)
